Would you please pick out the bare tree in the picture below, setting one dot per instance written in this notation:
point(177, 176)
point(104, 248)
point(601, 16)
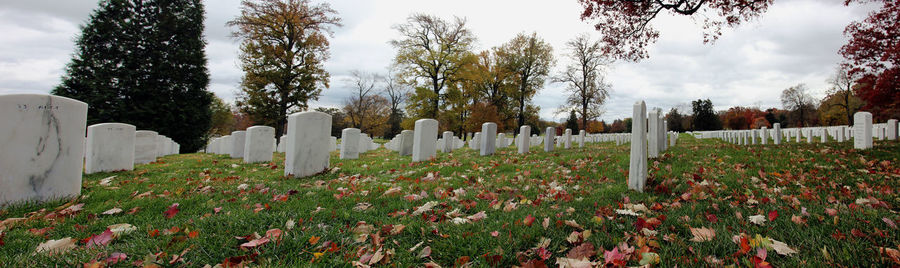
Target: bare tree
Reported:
point(366, 110)
point(584, 78)
point(397, 92)
point(797, 98)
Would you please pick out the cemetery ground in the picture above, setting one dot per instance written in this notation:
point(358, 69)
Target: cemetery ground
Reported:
point(706, 203)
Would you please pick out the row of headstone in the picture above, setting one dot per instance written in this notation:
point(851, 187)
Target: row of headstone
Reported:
point(354, 142)
point(862, 132)
point(44, 154)
point(650, 138)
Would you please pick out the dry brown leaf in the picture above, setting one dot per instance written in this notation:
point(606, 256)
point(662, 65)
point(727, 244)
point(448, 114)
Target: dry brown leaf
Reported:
point(702, 234)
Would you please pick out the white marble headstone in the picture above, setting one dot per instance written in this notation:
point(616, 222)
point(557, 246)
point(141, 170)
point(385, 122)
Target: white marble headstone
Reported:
point(110, 147)
point(406, 142)
point(350, 138)
point(145, 146)
point(258, 145)
point(637, 172)
point(425, 140)
point(41, 147)
point(862, 128)
point(489, 138)
point(238, 140)
point(307, 148)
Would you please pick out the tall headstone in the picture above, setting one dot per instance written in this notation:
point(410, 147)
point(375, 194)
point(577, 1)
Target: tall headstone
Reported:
point(448, 142)
point(307, 148)
point(763, 135)
point(145, 146)
point(653, 132)
point(567, 139)
point(238, 138)
point(488, 138)
point(824, 134)
point(581, 136)
point(42, 139)
point(350, 143)
point(524, 141)
point(862, 130)
point(425, 140)
point(259, 146)
point(776, 133)
point(109, 147)
point(637, 169)
point(549, 136)
point(406, 142)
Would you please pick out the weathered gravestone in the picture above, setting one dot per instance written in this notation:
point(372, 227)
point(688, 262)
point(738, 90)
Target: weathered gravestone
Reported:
point(258, 146)
point(637, 171)
point(109, 147)
point(41, 147)
point(862, 130)
point(307, 144)
point(238, 138)
point(425, 140)
point(488, 138)
point(349, 143)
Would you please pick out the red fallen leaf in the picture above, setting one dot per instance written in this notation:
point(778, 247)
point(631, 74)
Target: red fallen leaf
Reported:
point(536, 263)
point(134, 210)
point(193, 234)
point(462, 260)
point(585, 250)
point(831, 211)
point(280, 198)
point(274, 234)
point(102, 239)
point(745, 245)
point(773, 215)
point(492, 260)
point(712, 218)
point(857, 233)
point(153, 233)
point(217, 210)
point(238, 261)
point(173, 209)
point(838, 235)
point(116, 257)
point(40, 232)
point(528, 220)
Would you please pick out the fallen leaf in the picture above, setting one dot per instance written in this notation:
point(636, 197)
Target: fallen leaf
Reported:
point(528, 220)
point(112, 211)
point(56, 246)
point(425, 253)
point(173, 209)
point(702, 234)
point(255, 243)
point(573, 263)
point(477, 216)
point(116, 257)
point(583, 251)
point(101, 239)
point(121, 229)
point(782, 248)
point(773, 215)
point(314, 240)
point(758, 219)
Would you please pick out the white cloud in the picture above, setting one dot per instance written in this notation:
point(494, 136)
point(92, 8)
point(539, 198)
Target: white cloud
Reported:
point(795, 42)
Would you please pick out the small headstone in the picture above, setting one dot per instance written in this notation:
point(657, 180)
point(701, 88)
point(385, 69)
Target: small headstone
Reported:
point(259, 145)
point(488, 138)
point(567, 139)
point(425, 140)
point(891, 129)
point(110, 147)
point(776, 133)
point(43, 141)
point(350, 138)
point(307, 148)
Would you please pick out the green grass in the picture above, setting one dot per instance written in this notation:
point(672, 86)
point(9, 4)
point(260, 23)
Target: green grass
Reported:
point(693, 180)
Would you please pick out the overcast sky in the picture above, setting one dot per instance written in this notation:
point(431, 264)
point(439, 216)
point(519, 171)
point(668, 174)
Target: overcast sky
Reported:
point(796, 41)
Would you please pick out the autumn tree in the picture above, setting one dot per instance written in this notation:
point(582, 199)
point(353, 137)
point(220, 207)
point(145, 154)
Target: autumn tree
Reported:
point(365, 109)
point(584, 78)
point(872, 53)
point(491, 83)
point(397, 92)
point(222, 120)
point(627, 31)
point(430, 54)
point(284, 45)
point(529, 59)
point(143, 63)
point(797, 99)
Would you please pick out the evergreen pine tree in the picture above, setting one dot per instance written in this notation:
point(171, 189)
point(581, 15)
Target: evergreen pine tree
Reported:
point(142, 62)
point(572, 122)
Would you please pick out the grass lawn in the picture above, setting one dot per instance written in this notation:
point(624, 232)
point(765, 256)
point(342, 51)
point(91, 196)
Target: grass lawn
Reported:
point(707, 203)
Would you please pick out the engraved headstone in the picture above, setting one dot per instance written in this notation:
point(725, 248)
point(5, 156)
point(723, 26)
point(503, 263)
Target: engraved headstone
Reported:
point(425, 140)
point(259, 145)
point(307, 144)
point(238, 138)
point(350, 138)
point(637, 171)
point(110, 147)
point(862, 128)
point(488, 138)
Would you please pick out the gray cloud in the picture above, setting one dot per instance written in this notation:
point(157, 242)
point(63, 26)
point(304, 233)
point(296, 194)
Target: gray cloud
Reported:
point(796, 41)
